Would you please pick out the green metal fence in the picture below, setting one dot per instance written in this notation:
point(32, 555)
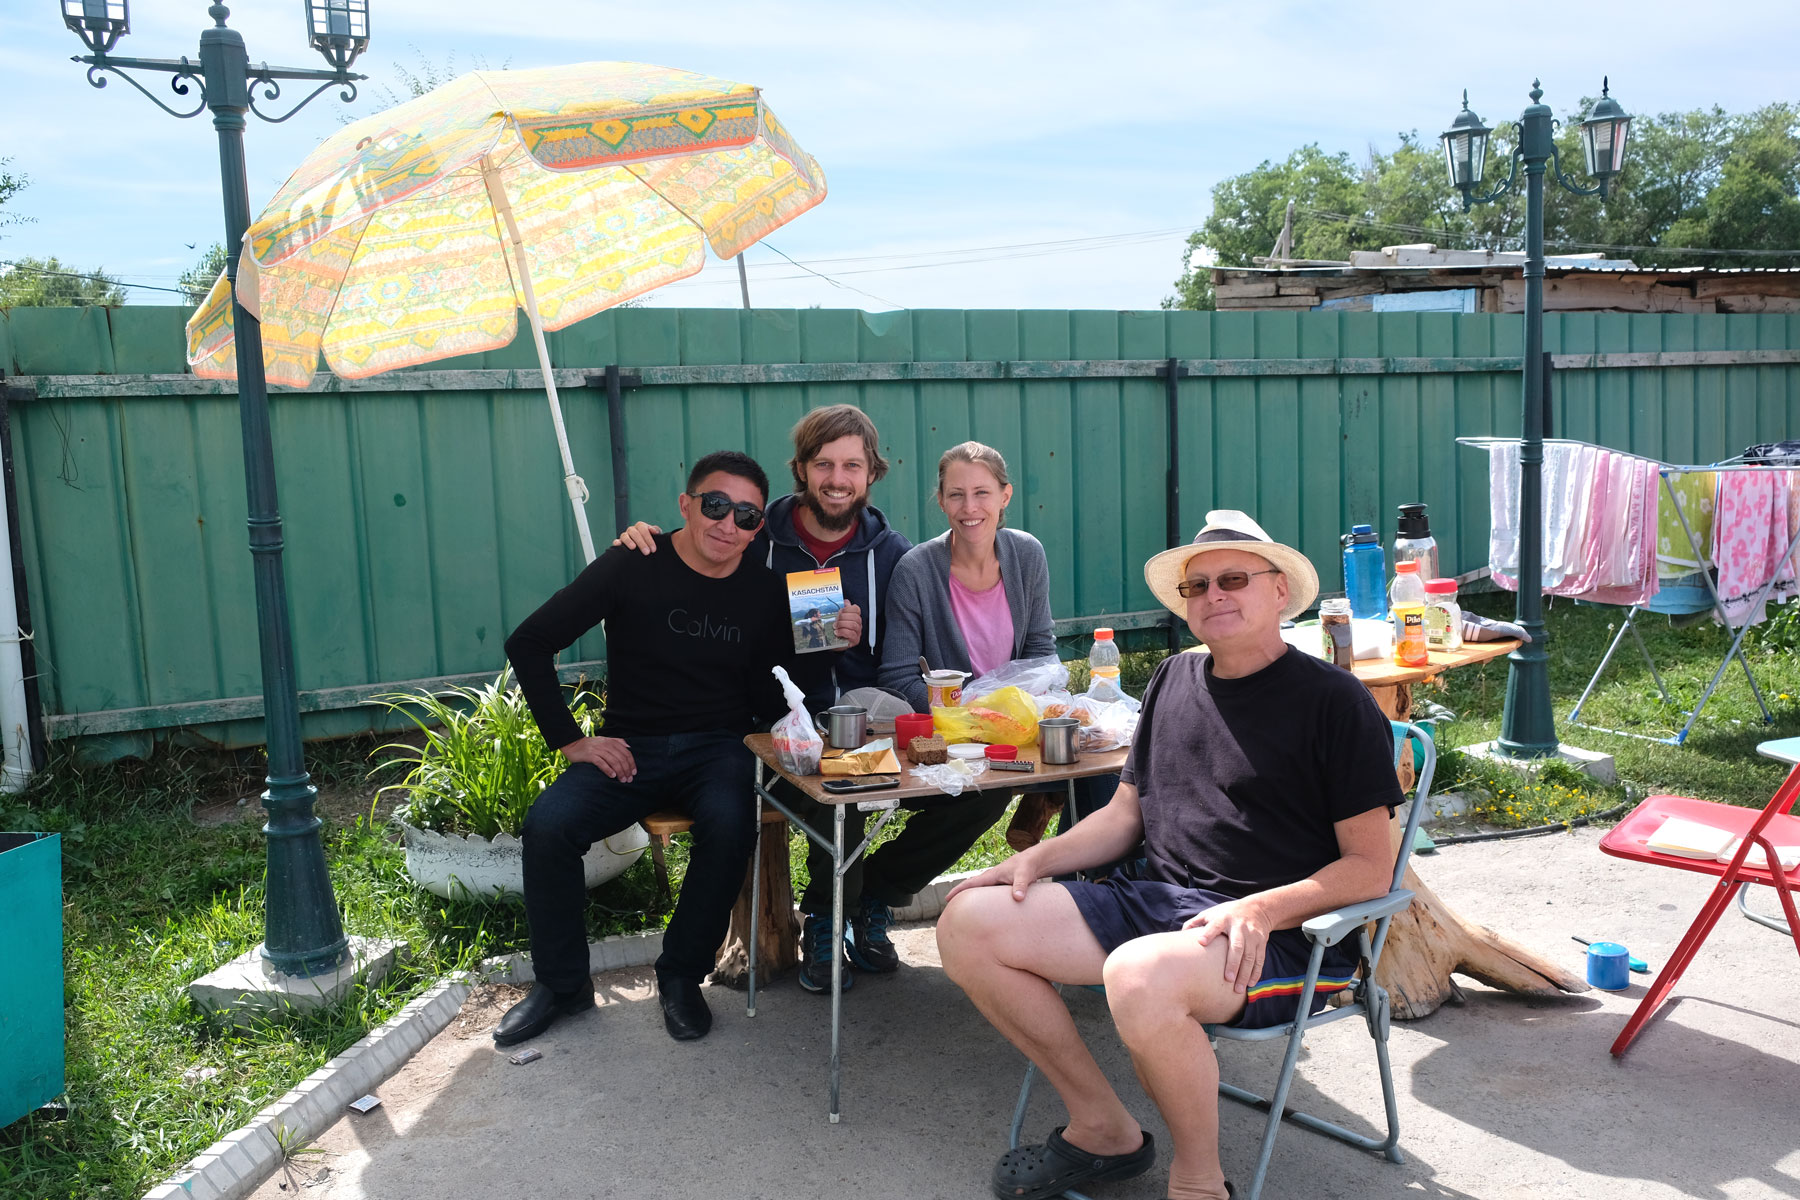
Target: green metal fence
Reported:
point(425, 516)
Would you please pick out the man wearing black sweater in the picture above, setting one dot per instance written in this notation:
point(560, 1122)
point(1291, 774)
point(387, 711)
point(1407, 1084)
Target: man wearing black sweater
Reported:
point(691, 635)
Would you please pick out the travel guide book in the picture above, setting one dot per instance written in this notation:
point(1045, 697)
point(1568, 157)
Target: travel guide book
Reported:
point(814, 600)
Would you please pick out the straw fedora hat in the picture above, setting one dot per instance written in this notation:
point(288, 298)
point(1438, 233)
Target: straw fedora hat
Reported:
point(1229, 529)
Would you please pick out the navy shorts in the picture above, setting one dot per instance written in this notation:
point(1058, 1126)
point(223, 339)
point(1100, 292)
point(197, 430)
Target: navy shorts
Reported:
point(1118, 910)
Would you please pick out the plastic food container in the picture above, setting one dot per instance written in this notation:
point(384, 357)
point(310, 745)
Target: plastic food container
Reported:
point(1002, 753)
point(970, 750)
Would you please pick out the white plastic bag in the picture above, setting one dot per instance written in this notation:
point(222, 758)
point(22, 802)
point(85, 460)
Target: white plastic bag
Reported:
point(1114, 723)
point(951, 777)
point(1033, 676)
point(798, 745)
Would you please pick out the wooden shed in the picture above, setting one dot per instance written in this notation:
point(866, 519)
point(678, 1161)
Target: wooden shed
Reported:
point(1424, 278)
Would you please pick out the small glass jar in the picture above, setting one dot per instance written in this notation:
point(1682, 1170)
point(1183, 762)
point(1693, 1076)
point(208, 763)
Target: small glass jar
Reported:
point(1443, 615)
point(1334, 632)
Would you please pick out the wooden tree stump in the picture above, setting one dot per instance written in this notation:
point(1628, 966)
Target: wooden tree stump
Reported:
point(777, 928)
point(1428, 941)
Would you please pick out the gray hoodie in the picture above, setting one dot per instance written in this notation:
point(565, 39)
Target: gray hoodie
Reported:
point(920, 622)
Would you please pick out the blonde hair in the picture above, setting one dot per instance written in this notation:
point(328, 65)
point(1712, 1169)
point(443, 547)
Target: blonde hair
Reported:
point(981, 455)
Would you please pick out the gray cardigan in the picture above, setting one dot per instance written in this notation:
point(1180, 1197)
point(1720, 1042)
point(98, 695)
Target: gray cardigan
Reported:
point(919, 620)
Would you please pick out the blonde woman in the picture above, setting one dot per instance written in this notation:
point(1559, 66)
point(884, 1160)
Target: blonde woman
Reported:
point(976, 596)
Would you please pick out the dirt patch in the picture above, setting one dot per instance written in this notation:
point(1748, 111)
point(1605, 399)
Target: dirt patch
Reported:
point(483, 1010)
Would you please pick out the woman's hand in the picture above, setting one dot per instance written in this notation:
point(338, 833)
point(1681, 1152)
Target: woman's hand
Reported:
point(849, 624)
point(611, 755)
point(640, 537)
point(1246, 930)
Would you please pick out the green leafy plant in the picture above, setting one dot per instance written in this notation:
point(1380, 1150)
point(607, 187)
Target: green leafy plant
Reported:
point(482, 762)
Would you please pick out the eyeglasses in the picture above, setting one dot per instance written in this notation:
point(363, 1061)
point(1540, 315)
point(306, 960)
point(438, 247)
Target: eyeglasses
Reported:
point(1228, 581)
point(714, 506)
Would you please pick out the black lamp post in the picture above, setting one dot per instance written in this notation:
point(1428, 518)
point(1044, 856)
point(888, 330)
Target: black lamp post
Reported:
point(303, 933)
point(1528, 727)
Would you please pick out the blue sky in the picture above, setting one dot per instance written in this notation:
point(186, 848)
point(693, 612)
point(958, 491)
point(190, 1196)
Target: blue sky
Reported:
point(962, 136)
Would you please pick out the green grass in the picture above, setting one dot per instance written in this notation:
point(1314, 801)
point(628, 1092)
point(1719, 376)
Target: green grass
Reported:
point(1719, 760)
point(153, 899)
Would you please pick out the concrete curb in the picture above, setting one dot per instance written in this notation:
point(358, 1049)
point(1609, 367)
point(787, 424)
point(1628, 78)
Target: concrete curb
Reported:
point(237, 1164)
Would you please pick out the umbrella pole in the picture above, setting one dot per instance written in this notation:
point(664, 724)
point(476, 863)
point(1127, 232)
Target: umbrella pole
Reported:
point(577, 489)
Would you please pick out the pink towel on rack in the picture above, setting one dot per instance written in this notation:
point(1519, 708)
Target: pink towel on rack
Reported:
point(1602, 546)
point(1750, 538)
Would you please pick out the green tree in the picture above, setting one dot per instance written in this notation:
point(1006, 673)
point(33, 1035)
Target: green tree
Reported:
point(198, 279)
point(10, 186)
point(47, 283)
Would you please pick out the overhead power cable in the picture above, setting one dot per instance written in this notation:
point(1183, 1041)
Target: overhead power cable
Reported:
point(106, 279)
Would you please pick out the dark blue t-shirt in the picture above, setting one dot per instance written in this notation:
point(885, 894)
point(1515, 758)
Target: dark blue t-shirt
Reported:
point(1241, 780)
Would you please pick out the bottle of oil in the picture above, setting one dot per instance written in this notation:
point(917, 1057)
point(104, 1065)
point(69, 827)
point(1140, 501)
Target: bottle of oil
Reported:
point(1406, 603)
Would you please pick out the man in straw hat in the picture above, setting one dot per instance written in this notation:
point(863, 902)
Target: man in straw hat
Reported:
point(1260, 784)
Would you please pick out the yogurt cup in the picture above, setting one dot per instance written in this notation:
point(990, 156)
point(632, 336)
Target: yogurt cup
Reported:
point(944, 688)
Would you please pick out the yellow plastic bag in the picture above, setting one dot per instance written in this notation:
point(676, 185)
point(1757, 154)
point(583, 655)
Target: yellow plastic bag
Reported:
point(955, 725)
point(1007, 717)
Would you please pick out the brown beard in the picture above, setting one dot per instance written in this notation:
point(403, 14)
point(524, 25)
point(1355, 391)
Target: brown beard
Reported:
point(828, 522)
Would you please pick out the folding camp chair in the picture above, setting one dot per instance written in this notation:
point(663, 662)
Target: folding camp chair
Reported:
point(1770, 828)
point(1366, 998)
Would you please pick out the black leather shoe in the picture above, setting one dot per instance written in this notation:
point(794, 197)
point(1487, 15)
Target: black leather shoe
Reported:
point(539, 1010)
point(685, 1014)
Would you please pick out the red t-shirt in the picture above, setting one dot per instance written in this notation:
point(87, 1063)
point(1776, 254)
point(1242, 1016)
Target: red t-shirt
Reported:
point(822, 551)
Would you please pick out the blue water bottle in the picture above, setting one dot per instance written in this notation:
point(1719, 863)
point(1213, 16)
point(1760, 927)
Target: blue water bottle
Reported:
point(1365, 573)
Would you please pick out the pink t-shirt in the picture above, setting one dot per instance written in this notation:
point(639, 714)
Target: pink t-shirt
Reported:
point(986, 623)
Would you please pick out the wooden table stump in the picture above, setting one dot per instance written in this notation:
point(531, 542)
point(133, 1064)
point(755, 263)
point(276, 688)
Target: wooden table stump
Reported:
point(1429, 941)
point(777, 925)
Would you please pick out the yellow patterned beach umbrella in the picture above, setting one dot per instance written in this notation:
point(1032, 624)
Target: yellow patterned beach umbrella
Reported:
point(418, 233)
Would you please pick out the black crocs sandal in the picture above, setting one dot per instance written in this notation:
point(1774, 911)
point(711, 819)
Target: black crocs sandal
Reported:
point(1040, 1172)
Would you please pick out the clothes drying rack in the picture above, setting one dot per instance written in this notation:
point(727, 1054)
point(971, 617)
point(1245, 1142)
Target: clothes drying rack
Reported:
point(1666, 471)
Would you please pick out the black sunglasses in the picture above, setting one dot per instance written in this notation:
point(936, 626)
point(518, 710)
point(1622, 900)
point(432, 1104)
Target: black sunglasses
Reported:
point(714, 506)
point(1228, 581)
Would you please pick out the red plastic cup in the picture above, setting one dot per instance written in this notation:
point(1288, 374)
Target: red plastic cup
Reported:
point(1002, 753)
point(908, 726)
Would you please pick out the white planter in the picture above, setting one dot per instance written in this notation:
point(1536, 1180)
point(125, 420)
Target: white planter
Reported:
point(452, 865)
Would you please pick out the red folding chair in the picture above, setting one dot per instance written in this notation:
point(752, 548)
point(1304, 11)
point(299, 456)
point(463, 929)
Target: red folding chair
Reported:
point(1773, 825)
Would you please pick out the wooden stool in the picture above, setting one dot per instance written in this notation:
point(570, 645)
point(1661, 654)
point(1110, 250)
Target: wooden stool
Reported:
point(661, 826)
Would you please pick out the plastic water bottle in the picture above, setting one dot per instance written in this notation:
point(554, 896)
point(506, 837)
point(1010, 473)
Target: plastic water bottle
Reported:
point(1413, 540)
point(1103, 666)
point(1365, 573)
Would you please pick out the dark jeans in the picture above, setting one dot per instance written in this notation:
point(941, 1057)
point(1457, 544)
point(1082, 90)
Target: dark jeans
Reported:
point(934, 838)
point(705, 776)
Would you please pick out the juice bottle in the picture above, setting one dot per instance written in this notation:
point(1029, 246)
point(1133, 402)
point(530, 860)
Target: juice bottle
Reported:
point(1103, 665)
point(1406, 603)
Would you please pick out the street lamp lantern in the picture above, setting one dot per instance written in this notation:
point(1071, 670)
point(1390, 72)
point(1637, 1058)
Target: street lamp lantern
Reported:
point(1465, 149)
point(339, 29)
point(1603, 137)
point(98, 23)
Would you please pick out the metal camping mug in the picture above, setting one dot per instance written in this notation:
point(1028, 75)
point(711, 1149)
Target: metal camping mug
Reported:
point(849, 726)
point(1057, 736)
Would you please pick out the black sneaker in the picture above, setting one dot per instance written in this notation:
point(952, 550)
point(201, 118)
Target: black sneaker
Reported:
point(870, 948)
point(815, 956)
